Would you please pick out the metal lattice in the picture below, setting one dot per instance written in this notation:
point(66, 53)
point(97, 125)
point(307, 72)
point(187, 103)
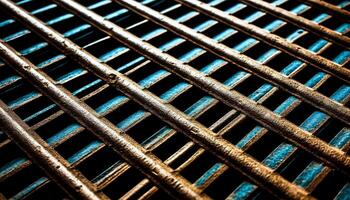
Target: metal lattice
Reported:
point(181, 99)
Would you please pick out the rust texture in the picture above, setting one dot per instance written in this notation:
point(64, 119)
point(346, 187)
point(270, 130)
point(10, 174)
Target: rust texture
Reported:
point(156, 171)
point(131, 151)
point(329, 8)
point(262, 35)
point(295, 88)
point(301, 138)
point(225, 150)
point(320, 30)
point(37, 149)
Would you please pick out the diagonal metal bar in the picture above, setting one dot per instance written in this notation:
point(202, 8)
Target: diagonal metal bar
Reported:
point(136, 67)
point(221, 148)
point(260, 34)
point(214, 173)
point(290, 131)
point(300, 21)
point(130, 150)
point(41, 153)
point(146, 179)
point(61, 19)
point(126, 29)
point(329, 8)
point(304, 177)
point(83, 98)
point(295, 88)
point(148, 38)
point(236, 120)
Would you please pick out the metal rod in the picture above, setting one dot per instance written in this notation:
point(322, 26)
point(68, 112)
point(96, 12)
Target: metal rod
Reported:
point(227, 128)
point(130, 150)
point(320, 101)
point(254, 31)
point(58, 113)
point(89, 44)
point(224, 150)
point(329, 8)
point(41, 153)
point(301, 22)
point(39, 124)
point(290, 131)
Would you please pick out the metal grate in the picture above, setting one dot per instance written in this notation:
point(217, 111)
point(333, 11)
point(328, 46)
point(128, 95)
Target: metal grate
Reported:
point(186, 99)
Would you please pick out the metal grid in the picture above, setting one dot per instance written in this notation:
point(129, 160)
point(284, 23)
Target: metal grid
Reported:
point(223, 99)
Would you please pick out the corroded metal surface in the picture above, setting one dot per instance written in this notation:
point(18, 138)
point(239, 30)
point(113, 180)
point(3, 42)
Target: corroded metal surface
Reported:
point(168, 174)
point(329, 8)
point(220, 91)
point(229, 153)
point(120, 142)
point(55, 166)
point(263, 35)
point(324, 32)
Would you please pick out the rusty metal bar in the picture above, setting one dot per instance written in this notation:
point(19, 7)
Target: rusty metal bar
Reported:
point(220, 147)
point(173, 157)
point(329, 8)
point(301, 22)
point(288, 130)
point(41, 153)
point(223, 131)
point(39, 124)
point(85, 46)
point(324, 171)
point(130, 150)
point(257, 33)
point(295, 88)
point(268, 118)
point(274, 88)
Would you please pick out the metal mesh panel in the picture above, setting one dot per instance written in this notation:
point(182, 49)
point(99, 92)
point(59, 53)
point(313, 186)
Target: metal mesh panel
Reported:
point(186, 99)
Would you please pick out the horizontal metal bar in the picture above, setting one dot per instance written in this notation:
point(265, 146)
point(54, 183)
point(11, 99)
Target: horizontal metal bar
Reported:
point(223, 149)
point(301, 22)
point(264, 36)
point(41, 153)
point(131, 151)
point(288, 130)
point(295, 88)
point(329, 8)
